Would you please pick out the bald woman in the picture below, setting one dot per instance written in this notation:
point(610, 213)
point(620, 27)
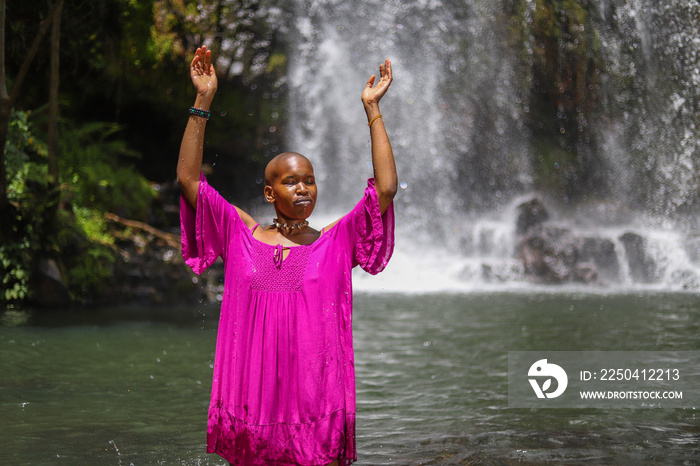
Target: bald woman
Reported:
point(283, 389)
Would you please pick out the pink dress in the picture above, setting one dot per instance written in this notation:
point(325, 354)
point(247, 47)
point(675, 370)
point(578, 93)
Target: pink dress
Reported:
point(284, 379)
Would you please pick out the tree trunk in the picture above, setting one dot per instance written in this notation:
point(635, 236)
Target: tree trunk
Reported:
point(54, 81)
point(4, 122)
point(6, 103)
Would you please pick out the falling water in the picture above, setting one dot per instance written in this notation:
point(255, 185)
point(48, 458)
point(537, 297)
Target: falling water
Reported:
point(457, 114)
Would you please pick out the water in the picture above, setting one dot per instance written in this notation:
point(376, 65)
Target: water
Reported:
point(131, 386)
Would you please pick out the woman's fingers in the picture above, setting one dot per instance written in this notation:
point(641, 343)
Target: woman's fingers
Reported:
point(197, 60)
point(386, 70)
point(207, 60)
point(201, 63)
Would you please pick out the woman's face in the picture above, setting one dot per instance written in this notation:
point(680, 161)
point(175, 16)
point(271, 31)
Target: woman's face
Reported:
point(293, 190)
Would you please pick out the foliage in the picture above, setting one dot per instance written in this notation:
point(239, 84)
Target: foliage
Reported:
point(125, 61)
point(88, 252)
point(94, 179)
point(25, 178)
point(241, 34)
point(93, 171)
point(15, 262)
point(124, 86)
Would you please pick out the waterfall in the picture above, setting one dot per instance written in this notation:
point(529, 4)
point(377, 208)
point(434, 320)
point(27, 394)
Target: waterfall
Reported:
point(465, 120)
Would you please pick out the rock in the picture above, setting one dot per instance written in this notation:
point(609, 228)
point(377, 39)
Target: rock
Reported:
point(692, 248)
point(602, 254)
point(501, 272)
point(586, 272)
point(149, 270)
point(49, 288)
point(686, 279)
point(548, 254)
point(530, 214)
point(642, 266)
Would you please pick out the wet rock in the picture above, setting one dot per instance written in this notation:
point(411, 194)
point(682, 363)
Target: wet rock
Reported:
point(601, 253)
point(149, 270)
point(530, 214)
point(486, 272)
point(501, 272)
point(642, 266)
point(548, 254)
point(586, 272)
point(49, 288)
point(686, 279)
point(692, 248)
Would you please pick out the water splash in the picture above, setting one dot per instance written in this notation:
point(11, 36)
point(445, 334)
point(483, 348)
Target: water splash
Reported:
point(119, 455)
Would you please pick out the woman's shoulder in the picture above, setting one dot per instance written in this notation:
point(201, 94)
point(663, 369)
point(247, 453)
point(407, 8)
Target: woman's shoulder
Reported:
point(246, 218)
point(330, 226)
point(212, 194)
point(361, 206)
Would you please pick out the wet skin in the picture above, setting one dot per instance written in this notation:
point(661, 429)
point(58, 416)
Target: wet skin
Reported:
point(291, 188)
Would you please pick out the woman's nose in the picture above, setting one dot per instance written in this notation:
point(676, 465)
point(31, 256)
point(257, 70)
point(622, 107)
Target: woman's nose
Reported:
point(302, 188)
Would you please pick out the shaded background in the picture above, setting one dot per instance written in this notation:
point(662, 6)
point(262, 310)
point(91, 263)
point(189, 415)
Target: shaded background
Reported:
point(538, 142)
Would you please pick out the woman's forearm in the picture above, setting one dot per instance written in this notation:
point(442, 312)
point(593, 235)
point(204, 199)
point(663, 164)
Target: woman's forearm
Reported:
point(189, 165)
point(385, 178)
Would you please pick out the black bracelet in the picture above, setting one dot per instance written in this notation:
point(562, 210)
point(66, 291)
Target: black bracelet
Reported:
point(200, 113)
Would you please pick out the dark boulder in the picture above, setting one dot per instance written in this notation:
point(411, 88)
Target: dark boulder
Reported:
point(585, 272)
point(150, 271)
point(49, 287)
point(601, 253)
point(548, 254)
point(529, 215)
point(642, 266)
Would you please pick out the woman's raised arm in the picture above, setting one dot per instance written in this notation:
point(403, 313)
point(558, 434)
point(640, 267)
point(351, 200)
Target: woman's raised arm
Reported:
point(189, 165)
point(385, 178)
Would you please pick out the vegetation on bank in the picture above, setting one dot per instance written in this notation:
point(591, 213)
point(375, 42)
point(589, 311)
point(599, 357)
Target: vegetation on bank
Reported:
point(65, 222)
point(93, 98)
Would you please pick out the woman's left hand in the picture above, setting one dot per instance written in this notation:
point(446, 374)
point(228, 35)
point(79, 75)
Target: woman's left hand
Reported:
point(372, 95)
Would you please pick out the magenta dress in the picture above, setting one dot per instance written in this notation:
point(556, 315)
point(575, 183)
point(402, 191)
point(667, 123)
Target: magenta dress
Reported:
point(284, 379)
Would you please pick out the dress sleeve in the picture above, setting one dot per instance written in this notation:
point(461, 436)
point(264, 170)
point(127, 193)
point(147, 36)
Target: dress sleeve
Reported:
point(205, 231)
point(374, 232)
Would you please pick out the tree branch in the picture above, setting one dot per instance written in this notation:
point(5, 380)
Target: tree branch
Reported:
point(170, 239)
point(3, 82)
point(43, 27)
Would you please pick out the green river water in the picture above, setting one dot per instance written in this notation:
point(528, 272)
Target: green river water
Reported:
point(131, 386)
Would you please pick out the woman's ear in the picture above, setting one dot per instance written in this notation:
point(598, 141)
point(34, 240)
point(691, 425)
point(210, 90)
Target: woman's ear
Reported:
point(269, 194)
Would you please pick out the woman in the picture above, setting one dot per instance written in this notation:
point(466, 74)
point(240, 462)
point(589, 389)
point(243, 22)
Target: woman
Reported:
point(283, 390)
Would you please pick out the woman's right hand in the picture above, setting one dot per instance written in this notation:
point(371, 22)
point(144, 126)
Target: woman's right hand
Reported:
point(202, 73)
